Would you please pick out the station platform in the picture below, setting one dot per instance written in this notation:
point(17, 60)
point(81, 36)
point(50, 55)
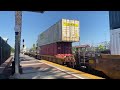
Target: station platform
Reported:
point(42, 69)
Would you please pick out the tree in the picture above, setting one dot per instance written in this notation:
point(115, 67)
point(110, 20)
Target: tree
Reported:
point(12, 50)
point(33, 47)
point(73, 49)
point(101, 47)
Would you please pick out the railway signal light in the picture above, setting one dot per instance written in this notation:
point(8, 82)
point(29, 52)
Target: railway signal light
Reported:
point(23, 40)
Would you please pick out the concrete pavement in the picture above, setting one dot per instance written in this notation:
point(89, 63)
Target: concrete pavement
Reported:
point(41, 69)
point(34, 69)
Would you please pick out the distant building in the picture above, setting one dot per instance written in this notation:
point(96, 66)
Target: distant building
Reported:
point(82, 46)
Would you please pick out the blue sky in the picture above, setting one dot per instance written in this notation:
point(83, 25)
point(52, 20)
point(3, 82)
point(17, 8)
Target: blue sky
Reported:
point(94, 25)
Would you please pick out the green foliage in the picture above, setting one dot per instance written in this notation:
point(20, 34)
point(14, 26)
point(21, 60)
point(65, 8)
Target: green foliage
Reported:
point(73, 50)
point(101, 47)
point(33, 47)
point(12, 50)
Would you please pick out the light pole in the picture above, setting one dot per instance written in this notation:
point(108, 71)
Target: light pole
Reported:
point(18, 22)
point(18, 25)
point(16, 53)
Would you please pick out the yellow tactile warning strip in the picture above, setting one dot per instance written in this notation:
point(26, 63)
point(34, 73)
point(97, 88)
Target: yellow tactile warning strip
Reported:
point(90, 76)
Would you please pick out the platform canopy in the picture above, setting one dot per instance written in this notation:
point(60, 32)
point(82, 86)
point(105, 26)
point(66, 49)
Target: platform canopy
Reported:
point(38, 11)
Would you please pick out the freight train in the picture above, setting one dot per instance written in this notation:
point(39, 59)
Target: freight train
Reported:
point(5, 50)
point(102, 61)
point(55, 45)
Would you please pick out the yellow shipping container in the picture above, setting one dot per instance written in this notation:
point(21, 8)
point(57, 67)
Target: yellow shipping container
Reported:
point(63, 31)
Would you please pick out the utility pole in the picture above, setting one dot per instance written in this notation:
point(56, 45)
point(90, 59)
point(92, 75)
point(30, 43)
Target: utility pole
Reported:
point(18, 24)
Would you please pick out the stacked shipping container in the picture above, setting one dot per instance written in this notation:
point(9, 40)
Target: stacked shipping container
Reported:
point(114, 18)
point(56, 48)
point(58, 38)
point(115, 41)
point(63, 31)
